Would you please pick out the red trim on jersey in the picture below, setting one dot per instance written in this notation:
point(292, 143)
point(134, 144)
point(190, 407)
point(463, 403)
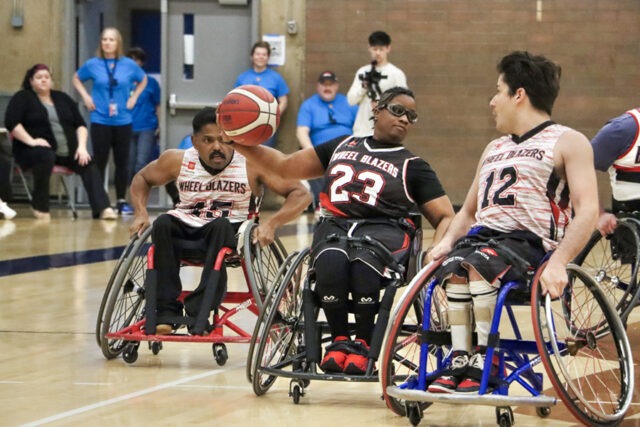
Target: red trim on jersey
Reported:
point(326, 204)
point(627, 168)
point(635, 140)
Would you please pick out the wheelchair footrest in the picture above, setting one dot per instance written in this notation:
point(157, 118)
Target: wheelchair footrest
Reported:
point(471, 399)
point(320, 376)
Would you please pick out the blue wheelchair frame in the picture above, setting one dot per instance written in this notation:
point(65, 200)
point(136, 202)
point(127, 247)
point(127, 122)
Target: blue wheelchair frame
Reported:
point(517, 356)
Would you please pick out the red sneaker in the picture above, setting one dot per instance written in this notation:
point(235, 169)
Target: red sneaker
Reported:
point(357, 361)
point(336, 355)
point(450, 378)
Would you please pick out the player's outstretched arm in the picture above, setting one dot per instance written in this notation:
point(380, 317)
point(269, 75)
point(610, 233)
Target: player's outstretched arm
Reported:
point(303, 164)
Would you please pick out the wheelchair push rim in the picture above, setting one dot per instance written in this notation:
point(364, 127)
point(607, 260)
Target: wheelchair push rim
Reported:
point(589, 366)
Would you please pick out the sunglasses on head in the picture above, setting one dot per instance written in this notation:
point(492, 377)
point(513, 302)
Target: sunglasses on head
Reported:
point(399, 110)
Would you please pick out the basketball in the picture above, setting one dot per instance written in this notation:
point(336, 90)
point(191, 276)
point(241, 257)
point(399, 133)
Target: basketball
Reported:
point(249, 114)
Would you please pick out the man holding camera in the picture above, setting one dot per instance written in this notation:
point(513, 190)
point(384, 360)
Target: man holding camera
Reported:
point(373, 79)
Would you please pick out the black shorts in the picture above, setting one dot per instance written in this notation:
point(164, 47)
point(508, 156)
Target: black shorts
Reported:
point(496, 256)
point(395, 235)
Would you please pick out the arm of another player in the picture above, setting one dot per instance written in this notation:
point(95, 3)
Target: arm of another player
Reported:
point(574, 161)
point(439, 212)
point(156, 173)
point(613, 140)
point(297, 198)
point(303, 164)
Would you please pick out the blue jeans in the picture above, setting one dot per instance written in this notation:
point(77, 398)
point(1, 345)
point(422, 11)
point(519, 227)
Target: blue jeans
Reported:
point(142, 150)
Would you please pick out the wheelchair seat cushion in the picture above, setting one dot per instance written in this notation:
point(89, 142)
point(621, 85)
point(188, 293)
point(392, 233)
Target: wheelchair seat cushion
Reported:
point(395, 236)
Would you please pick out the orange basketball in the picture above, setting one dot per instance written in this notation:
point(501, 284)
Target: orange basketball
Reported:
point(249, 114)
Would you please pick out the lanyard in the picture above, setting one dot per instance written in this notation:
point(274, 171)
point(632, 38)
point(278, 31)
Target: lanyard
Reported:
point(112, 80)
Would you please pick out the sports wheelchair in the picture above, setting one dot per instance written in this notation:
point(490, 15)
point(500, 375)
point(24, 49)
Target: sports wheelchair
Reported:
point(578, 338)
point(291, 329)
point(127, 312)
point(613, 262)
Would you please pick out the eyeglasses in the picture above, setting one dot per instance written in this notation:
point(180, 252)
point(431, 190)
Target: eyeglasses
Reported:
point(399, 110)
point(332, 119)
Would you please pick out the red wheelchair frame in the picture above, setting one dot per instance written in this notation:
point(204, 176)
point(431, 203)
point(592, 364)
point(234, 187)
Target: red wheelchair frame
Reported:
point(125, 312)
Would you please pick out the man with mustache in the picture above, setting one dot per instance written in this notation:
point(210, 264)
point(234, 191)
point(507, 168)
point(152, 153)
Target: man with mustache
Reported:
point(218, 191)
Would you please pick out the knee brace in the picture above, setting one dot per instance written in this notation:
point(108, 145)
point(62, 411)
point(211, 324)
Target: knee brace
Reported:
point(484, 302)
point(459, 316)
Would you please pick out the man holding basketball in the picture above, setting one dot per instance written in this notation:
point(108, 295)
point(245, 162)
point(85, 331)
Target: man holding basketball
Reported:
point(371, 185)
point(218, 191)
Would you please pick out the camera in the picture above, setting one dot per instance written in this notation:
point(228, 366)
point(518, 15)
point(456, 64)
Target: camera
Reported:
point(371, 81)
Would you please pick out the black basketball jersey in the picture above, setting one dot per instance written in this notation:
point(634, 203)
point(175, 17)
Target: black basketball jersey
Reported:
point(366, 179)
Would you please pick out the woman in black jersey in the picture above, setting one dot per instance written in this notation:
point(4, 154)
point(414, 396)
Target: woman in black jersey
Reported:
point(372, 184)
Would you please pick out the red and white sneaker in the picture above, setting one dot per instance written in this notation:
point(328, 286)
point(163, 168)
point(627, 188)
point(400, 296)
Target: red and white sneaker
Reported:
point(471, 383)
point(448, 382)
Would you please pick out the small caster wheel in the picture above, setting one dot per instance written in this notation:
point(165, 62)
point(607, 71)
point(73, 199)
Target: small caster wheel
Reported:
point(220, 354)
point(543, 411)
point(504, 416)
point(130, 353)
point(295, 394)
point(155, 346)
point(414, 413)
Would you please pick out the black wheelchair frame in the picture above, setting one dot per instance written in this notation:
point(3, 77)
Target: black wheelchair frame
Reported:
point(288, 338)
point(613, 262)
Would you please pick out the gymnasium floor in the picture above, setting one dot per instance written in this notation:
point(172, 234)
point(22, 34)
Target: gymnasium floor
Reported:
point(52, 277)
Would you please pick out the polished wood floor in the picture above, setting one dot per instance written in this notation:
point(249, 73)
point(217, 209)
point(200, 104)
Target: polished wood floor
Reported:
point(53, 373)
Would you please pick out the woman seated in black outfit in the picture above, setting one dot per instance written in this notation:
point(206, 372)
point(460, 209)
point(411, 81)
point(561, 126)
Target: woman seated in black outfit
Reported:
point(47, 129)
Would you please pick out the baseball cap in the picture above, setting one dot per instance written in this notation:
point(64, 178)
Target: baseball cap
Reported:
point(327, 76)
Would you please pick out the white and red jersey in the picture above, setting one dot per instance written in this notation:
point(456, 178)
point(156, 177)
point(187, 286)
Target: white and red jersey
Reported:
point(518, 189)
point(205, 197)
point(625, 170)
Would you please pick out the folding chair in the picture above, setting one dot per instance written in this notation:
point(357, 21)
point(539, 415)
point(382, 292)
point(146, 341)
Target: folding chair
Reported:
point(67, 180)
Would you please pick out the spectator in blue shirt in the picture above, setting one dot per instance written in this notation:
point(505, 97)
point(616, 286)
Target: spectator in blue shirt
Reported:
point(144, 139)
point(261, 75)
point(322, 117)
point(111, 102)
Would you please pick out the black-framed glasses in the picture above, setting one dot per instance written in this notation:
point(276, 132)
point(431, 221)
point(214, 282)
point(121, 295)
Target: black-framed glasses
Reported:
point(399, 110)
point(332, 119)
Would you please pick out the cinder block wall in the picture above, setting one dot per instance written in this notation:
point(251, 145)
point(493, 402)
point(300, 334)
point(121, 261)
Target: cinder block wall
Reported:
point(449, 50)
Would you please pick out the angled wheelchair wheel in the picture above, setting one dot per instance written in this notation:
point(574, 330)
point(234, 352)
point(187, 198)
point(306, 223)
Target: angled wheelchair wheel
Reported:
point(590, 367)
point(284, 269)
point(280, 333)
point(112, 278)
point(401, 351)
point(125, 303)
point(262, 264)
point(613, 262)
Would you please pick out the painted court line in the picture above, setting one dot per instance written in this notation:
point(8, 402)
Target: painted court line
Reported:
point(108, 402)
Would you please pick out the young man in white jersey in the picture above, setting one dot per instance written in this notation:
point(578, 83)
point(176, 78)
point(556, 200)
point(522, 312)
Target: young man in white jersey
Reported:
point(520, 199)
point(372, 80)
point(218, 191)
